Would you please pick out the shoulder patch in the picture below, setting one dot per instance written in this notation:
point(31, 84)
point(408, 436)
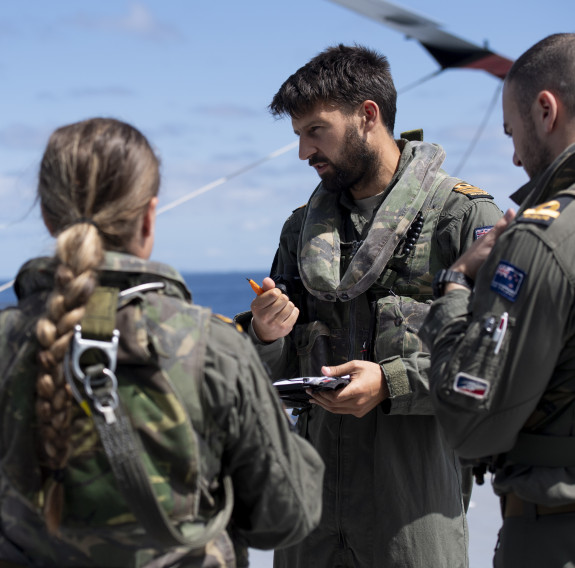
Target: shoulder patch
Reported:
point(507, 280)
point(471, 191)
point(469, 385)
point(229, 321)
point(545, 213)
point(300, 207)
point(481, 231)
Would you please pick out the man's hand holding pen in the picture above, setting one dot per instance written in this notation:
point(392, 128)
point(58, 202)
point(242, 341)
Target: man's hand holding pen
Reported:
point(274, 315)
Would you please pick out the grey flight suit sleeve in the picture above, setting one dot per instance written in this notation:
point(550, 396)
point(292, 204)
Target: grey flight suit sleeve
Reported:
point(486, 384)
point(277, 475)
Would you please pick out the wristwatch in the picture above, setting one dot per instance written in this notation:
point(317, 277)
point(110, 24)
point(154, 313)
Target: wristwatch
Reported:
point(444, 276)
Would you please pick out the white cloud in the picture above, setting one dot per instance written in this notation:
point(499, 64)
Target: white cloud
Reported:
point(138, 21)
point(19, 136)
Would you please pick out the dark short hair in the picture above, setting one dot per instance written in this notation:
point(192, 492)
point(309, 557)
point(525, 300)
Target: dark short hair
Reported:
point(343, 75)
point(548, 65)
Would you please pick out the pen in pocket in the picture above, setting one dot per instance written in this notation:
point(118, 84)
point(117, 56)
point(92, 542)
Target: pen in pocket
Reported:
point(499, 333)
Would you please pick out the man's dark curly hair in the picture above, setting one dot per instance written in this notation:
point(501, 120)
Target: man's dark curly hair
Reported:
point(345, 76)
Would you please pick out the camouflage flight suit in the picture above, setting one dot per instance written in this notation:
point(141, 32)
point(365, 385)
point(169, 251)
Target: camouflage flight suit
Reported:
point(503, 371)
point(238, 422)
point(393, 489)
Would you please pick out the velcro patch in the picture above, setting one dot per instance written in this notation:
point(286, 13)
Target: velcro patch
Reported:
point(507, 280)
point(545, 213)
point(470, 386)
point(480, 231)
point(471, 191)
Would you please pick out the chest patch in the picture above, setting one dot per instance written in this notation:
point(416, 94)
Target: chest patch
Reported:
point(545, 213)
point(470, 191)
point(470, 386)
point(507, 280)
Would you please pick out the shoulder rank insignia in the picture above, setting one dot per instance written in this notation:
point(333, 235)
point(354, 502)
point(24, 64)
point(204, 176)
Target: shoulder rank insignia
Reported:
point(227, 320)
point(545, 213)
point(471, 191)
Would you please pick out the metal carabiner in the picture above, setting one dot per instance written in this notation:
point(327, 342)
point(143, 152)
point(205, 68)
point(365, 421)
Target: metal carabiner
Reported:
point(105, 401)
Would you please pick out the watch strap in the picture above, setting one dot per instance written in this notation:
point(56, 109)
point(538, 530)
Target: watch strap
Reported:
point(444, 276)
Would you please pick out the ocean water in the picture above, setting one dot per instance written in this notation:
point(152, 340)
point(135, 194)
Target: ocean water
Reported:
point(225, 293)
point(229, 294)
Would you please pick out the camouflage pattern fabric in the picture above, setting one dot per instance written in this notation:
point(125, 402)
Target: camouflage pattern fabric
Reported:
point(162, 382)
point(320, 239)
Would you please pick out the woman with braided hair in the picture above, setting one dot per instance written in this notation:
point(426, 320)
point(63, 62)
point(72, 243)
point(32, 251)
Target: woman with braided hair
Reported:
point(137, 428)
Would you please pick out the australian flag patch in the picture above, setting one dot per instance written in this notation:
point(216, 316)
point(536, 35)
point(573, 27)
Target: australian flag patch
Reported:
point(470, 386)
point(480, 231)
point(507, 280)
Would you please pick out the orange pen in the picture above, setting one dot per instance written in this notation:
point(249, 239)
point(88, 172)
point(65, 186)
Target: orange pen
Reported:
point(255, 286)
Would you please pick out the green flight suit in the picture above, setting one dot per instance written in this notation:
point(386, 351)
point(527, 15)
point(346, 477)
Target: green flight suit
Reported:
point(237, 418)
point(393, 489)
point(503, 370)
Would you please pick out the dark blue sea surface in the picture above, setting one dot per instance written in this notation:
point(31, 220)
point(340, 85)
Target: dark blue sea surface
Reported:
point(225, 293)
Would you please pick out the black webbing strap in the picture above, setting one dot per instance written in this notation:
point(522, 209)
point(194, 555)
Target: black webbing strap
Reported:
point(122, 449)
point(543, 451)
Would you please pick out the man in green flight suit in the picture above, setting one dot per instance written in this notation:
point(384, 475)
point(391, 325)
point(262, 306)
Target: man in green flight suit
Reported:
point(503, 358)
point(357, 264)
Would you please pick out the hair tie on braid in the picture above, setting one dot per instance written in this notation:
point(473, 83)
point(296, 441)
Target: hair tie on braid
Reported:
point(81, 221)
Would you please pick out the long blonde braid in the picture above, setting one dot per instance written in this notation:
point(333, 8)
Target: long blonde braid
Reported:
point(96, 179)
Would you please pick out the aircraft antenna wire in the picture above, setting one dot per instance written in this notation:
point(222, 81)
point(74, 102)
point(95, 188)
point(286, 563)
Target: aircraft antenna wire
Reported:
point(480, 130)
point(419, 81)
point(224, 179)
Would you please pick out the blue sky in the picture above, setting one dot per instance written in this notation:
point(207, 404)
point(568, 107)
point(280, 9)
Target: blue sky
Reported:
point(196, 78)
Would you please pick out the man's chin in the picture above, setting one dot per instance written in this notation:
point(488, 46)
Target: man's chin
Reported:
point(331, 187)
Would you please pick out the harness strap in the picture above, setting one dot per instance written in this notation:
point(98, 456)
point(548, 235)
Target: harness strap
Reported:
point(122, 449)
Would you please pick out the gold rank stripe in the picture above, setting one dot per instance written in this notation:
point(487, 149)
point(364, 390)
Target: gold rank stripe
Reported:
point(468, 189)
point(546, 213)
point(230, 321)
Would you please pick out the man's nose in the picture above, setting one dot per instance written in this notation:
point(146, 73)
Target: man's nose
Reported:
point(306, 150)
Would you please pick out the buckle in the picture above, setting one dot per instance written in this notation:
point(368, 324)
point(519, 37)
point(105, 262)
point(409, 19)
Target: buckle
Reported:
point(98, 380)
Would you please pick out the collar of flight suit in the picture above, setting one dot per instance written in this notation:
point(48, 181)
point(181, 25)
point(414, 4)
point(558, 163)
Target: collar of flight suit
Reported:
point(319, 247)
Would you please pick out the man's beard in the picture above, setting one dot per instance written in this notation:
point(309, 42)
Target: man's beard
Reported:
point(358, 163)
point(538, 157)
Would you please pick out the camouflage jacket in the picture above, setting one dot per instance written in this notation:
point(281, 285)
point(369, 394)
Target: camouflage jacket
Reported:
point(503, 359)
point(240, 426)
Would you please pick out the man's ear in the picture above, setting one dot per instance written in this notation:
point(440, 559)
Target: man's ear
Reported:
point(370, 114)
point(546, 109)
